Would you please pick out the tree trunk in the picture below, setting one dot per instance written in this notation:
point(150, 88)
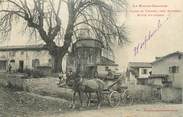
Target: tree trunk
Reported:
point(57, 53)
point(57, 64)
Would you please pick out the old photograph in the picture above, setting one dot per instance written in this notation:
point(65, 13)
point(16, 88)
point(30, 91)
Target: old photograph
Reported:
point(91, 58)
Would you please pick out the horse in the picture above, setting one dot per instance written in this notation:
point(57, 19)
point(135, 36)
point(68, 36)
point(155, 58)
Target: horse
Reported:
point(93, 86)
point(81, 85)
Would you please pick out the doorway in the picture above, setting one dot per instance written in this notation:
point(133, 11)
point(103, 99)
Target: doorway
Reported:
point(21, 66)
point(3, 64)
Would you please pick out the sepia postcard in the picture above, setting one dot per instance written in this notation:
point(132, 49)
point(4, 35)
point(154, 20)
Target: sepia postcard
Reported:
point(91, 58)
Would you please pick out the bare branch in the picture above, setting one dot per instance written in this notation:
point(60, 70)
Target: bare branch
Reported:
point(58, 10)
point(16, 4)
point(13, 12)
point(96, 17)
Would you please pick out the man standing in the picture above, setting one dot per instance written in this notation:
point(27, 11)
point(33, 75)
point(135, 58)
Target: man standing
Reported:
point(62, 79)
point(9, 68)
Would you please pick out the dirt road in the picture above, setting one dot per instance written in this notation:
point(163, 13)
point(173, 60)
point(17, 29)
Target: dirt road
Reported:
point(154, 110)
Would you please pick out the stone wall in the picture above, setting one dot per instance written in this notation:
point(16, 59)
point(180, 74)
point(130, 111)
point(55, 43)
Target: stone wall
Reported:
point(141, 92)
point(171, 95)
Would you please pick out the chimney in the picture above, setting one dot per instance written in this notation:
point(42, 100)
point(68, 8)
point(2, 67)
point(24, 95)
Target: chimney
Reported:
point(157, 58)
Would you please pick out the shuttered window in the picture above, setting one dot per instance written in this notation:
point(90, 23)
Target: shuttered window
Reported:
point(174, 69)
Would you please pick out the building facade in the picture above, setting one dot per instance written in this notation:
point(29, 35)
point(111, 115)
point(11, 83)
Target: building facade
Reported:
point(138, 72)
point(88, 52)
point(24, 57)
point(168, 70)
point(85, 52)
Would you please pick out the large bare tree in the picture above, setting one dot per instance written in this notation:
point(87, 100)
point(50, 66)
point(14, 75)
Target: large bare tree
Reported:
point(45, 18)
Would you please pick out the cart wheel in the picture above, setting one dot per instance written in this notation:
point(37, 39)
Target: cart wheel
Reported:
point(130, 100)
point(126, 99)
point(114, 99)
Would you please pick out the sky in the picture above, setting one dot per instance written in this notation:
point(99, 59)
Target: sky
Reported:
point(167, 39)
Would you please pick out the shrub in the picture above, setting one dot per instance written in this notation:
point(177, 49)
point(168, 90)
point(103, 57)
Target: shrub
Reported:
point(37, 74)
point(34, 73)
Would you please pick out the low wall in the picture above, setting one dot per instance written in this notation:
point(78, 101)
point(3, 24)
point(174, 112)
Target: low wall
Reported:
point(31, 84)
point(171, 95)
point(43, 86)
point(39, 83)
point(141, 92)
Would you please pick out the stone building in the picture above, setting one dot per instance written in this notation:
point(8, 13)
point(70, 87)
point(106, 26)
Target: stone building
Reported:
point(85, 52)
point(168, 70)
point(166, 78)
point(24, 57)
point(138, 72)
point(88, 52)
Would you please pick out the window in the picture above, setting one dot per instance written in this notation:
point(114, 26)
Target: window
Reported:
point(144, 71)
point(49, 62)
point(85, 54)
point(174, 69)
point(179, 57)
point(106, 68)
point(12, 61)
point(12, 53)
point(90, 56)
point(22, 52)
point(35, 62)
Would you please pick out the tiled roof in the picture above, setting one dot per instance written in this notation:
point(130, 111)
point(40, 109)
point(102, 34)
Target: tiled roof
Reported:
point(168, 55)
point(158, 76)
point(139, 64)
point(23, 47)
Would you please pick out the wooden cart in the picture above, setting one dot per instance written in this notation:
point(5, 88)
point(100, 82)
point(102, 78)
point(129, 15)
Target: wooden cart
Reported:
point(119, 96)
